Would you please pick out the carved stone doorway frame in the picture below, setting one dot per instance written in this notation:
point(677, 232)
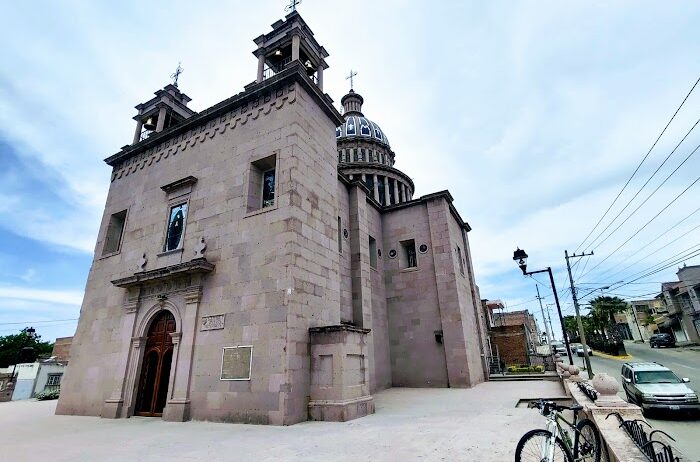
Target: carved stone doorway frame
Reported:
point(178, 289)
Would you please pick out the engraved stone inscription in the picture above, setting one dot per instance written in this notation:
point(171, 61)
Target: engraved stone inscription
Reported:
point(236, 362)
point(213, 322)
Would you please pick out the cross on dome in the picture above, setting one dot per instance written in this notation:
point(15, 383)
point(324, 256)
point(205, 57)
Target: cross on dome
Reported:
point(350, 77)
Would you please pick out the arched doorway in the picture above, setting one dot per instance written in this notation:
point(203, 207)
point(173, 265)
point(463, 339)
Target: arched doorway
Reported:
point(155, 371)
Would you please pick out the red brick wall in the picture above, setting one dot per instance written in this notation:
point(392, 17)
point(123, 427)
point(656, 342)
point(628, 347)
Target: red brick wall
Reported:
point(511, 343)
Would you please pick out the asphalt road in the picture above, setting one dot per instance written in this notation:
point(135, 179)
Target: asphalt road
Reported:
point(684, 363)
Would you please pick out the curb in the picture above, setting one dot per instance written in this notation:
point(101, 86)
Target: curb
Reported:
point(619, 358)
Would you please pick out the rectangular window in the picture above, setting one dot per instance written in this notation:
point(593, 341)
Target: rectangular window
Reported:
point(53, 380)
point(408, 254)
point(461, 263)
point(176, 227)
point(115, 230)
point(340, 236)
point(372, 252)
point(262, 183)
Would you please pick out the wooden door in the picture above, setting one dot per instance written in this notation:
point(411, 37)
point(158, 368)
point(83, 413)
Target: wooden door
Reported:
point(155, 371)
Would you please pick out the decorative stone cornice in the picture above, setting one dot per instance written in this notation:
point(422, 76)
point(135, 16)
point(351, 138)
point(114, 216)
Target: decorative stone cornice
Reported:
point(181, 183)
point(429, 197)
point(176, 336)
point(193, 295)
point(138, 341)
point(259, 99)
point(196, 266)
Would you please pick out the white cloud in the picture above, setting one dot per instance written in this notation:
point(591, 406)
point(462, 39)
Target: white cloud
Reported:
point(63, 297)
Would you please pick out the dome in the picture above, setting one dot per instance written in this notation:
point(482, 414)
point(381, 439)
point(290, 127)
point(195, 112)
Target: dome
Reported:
point(357, 125)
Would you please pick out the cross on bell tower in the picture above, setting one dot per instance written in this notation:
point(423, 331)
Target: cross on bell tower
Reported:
point(291, 42)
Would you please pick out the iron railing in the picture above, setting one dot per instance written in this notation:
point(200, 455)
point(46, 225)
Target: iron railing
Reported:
point(588, 390)
point(654, 450)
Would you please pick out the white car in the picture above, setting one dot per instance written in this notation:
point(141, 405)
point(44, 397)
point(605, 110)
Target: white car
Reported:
point(558, 347)
point(579, 350)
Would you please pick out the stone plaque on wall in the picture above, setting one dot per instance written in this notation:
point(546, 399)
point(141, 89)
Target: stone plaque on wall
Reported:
point(236, 363)
point(213, 322)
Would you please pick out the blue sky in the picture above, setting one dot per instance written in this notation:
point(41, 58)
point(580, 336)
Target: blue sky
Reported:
point(533, 114)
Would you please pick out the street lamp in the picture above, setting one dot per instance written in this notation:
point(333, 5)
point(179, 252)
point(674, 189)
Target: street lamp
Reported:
point(520, 257)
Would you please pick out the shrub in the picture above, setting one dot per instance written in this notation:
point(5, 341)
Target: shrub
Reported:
point(47, 394)
point(522, 368)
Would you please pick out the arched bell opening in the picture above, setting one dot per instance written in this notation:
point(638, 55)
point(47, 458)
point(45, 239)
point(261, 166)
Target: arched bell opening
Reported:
point(155, 370)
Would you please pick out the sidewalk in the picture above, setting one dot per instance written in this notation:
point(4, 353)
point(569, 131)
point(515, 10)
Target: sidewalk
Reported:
point(480, 423)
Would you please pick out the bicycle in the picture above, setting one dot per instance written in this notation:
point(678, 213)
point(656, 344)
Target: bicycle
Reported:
point(554, 443)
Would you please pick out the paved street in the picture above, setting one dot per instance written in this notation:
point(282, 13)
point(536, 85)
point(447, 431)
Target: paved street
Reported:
point(685, 363)
point(480, 423)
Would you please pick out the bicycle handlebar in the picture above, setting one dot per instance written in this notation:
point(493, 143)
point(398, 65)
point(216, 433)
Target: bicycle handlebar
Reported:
point(548, 406)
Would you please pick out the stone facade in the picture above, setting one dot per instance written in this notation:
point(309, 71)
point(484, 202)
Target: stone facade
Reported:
point(319, 268)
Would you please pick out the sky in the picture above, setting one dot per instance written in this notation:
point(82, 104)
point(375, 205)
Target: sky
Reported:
point(533, 114)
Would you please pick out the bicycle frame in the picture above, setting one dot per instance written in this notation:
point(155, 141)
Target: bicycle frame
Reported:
point(555, 428)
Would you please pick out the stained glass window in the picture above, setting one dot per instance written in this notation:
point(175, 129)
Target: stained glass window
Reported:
point(176, 227)
point(268, 193)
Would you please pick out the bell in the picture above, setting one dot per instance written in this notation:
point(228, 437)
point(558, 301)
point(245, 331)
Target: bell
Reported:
point(149, 124)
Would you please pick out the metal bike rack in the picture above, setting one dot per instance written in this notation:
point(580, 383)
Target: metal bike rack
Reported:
point(654, 450)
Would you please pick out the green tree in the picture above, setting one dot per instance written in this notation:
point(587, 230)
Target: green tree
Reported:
point(603, 311)
point(16, 347)
point(650, 319)
point(571, 327)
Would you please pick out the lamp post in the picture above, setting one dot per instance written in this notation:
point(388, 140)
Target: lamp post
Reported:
point(30, 334)
point(520, 257)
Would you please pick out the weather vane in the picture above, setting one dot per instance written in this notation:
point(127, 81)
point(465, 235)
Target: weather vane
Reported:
point(350, 77)
point(292, 5)
point(176, 74)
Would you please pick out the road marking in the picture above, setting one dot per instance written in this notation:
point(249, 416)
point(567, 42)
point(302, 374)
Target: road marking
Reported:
point(683, 365)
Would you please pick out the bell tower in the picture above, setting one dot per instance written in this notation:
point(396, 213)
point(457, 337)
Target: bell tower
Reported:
point(291, 40)
point(167, 109)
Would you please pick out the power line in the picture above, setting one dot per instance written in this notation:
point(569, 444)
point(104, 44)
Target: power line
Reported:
point(684, 258)
point(36, 322)
point(651, 242)
point(645, 225)
point(652, 193)
point(638, 166)
point(655, 251)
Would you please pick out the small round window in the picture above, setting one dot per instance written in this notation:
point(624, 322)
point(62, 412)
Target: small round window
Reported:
point(423, 248)
point(346, 233)
point(392, 253)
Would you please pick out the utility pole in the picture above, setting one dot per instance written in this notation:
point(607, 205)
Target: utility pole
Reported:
point(549, 318)
point(578, 312)
point(544, 320)
point(636, 321)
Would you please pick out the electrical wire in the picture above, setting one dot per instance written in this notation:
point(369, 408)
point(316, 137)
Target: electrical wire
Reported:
point(649, 243)
point(645, 225)
point(638, 166)
point(652, 193)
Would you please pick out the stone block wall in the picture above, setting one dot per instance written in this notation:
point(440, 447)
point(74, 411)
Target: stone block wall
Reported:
point(276, 269)
point(417, 359)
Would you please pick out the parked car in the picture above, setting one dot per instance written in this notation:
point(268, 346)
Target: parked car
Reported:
point(558, 347)
point(652, 386)
point(659, 340)
point(579, 350)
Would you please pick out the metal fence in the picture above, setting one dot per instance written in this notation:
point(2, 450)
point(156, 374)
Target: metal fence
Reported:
point(655, 450)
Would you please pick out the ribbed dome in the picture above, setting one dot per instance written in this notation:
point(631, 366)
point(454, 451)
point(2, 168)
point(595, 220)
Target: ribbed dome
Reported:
point(356, 125)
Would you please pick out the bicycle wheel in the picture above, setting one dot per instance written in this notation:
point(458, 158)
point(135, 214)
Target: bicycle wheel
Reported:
point(587, 445)
point(531, 445)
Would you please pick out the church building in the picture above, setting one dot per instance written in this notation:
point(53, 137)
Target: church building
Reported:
point(264, 261)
